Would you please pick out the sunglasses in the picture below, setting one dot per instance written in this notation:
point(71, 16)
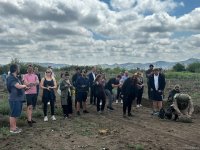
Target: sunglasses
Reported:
point(48, 72)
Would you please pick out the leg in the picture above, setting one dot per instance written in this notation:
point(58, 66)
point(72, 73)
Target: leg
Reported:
point(29, 112)
point(155, 106)
point(91, 95)
point(52, 103)
point(13, 125)
point(103, 103)
point(98, 104)
point(159, 105)
point(45, 107)
point(110, 97)
point(130, 100)
point(124, 105)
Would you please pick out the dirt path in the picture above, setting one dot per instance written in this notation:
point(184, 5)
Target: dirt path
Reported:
point(123, 133)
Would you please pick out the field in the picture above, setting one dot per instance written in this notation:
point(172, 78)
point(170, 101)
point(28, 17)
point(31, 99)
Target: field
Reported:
point(108, 131)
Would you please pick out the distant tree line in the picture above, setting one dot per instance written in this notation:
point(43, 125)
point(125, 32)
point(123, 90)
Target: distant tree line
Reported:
point(193, 67)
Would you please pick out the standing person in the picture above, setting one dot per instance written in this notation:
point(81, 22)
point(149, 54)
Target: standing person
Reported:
point(37, 86)
point(157, 85)
point(48, 84)
point(122, 80)
point(140, 89)
point(16, 96)
point(74, 79)
point(92, 76)
point(112, 83)
point(149, 72)
point(31, 80)
point(129, 92)
point(82, 85)
point(66, 98)
point(99, 93)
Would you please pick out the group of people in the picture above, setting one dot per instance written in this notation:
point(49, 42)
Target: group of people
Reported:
point(78, 87)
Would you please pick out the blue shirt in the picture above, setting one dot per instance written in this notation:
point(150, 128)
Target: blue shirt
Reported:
point(14, 93)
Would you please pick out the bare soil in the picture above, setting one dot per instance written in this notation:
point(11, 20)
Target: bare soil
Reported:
point(78, 133)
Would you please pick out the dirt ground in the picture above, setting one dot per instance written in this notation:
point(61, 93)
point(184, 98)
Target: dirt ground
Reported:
point(82, 132)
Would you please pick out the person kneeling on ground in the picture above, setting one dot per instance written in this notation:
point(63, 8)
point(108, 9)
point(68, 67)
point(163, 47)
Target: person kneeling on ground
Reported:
point(182, 107)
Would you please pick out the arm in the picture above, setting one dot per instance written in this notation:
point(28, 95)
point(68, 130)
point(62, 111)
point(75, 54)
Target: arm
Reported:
point(55, 84)
point(191, 107)
point(175, 105)
point(42, 84)
point(19, 86)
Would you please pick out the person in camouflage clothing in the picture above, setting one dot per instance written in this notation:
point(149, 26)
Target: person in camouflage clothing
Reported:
point(183, 106)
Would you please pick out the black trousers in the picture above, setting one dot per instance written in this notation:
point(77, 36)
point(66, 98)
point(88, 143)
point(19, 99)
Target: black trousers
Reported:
point(81, 106)
point(52, 104)
point(119, 93)
point(127, 103)
point(99, 99)
point(139, 96)
point(92, 95)
point(67, 109)
point(149, 90)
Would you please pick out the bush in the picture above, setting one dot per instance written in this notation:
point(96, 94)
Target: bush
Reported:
point(179, 67)
point(194, 67)
point(4, 107)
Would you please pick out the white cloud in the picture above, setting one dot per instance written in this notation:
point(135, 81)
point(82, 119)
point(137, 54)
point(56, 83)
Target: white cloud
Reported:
point(88, 32)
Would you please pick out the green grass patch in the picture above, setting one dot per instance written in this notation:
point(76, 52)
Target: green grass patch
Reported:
point(4, 107)
point(181, 75)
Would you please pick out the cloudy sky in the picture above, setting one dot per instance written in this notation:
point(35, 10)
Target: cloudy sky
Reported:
point(88, 32)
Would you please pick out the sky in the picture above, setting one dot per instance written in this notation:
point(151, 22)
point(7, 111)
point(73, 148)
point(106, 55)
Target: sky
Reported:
point(90, 32)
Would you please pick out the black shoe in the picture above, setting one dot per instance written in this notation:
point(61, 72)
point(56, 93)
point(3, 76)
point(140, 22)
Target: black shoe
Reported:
point(110, 108)
point(78, 113)
point(33, 121)
point(30, 123)
point(130, 115)
point(85, 112)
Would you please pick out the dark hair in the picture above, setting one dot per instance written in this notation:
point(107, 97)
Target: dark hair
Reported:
point(119, 76)
point(13, 68)
point(151, 65)
point(66, 73)
point(77, 68)
point(97, 77)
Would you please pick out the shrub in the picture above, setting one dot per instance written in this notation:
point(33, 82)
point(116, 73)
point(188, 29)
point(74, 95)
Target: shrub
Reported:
point(194, 67)
point(179, 67)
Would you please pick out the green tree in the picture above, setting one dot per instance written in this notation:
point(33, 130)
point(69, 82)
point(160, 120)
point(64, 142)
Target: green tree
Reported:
point(179, 67)
point(194, 67)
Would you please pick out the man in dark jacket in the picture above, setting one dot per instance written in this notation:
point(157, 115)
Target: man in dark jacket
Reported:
point(74, 79)
point(149, 73)
point(129, 93)
point(92, 76)
point(157, 86)
point(82, 85)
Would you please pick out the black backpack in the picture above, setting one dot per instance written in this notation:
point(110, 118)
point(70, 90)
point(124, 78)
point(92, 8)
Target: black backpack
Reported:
point(161, 114)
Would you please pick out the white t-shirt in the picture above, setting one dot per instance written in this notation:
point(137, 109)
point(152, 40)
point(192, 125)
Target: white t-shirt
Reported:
point(156, 81)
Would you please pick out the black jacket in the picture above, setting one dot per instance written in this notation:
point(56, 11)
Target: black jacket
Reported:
point(161, 82)
point(129, 88)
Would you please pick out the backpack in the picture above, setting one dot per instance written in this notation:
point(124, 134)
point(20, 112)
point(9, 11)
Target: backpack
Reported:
point(161, 114)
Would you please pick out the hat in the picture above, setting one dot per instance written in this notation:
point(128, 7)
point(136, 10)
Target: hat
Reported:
point(151, 65)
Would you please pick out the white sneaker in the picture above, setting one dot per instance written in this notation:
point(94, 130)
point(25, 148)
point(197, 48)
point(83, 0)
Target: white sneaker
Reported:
point(45, 119)
point(121, 101)
point(138, 106)
point(117, 101)
point(53, 118)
